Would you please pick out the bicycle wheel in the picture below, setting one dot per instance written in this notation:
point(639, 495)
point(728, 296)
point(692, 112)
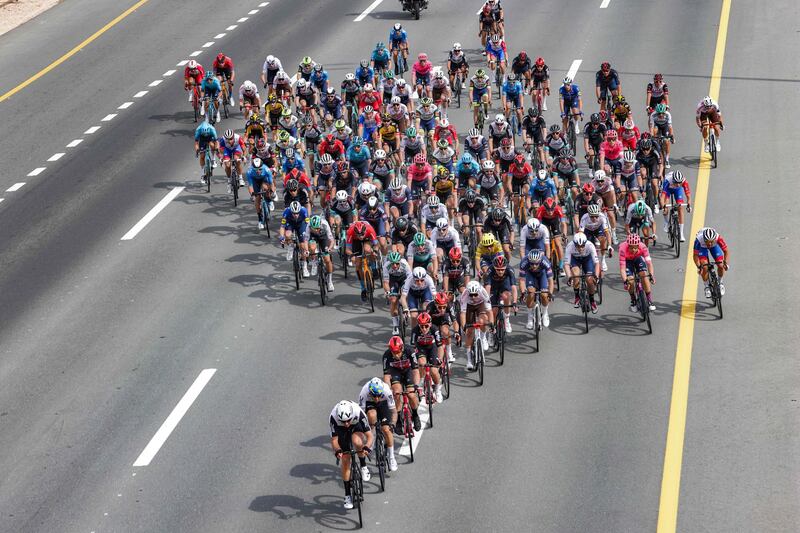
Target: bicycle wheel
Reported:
point(537, 325)
point(296, 267)
point(715, 292)
point(571, 137)
point(369, 284)
point(712, 141)
point(357, 489)
point(444, 372)
point(585, 309)
point(501, 337)
point(479, 360)
point(600, 290)
point(323, 286)
point(429, 399)
point(676, 232)
point(409, 432)
point(208, 170)
point(380, 456)
point(265, 211)
point(235, 188)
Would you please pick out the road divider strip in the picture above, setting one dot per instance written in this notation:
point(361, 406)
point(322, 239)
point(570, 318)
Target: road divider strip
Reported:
point(139, 226)
point(174, 418)
point(573, 68)
point(367, 11)
point(36, 171)
point(16, 187)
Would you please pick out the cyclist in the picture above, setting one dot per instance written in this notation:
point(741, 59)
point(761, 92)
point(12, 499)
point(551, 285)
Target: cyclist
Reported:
point(611, 155)
point(401, 371)
point(472, 208)
point(501, 284)
point(259, 179)
point(486, 25)
point(499, 129)
point(518, 178)
point(350, 430)
point(403, 91)
point(231, 147)
point(489, 183)
point(281, 86)
point(398, 113)
point(512, 96)
point(554, 142)
point(440, 90)
point(331, 104)
point(569, 102)
point(661, 126)
point(442, 316)
point(635, 261)
point(426, 116)
point(381, 170)
point(364, 73)
point(540, 78)
point(421, 75)
point(466, 171)
point(640, 217)
point(457, 63)
point(350, 89)
point(427, 342)
point(605, 190)
point(443, 157)
point(387, 85)
point(294, 222)
point(551, 215)
point(320, 239)
point(396, 271)
point(397, 199)
point(534, 130)
point(455, 269)
point(542, 188)
point(254, 129)
point(343, 211)
point(444, 238)
point(496, 56)
point(521, 68)
point(193, 75)
point(272, 65)
point(476, 306)
point(389, 134)
point(420, 174)
point(709, 242)
point(533, 236)
point(649, 160)
point(305, 68)
point(403, 234)
point(628, 134)
point(594, 133)
point(359, 156)
point(361, 239)
point(225, 73)
point(708, 110)
point(480, 93)
point(498, 14)
point(536, 276)
point(288, 122)
point(379, 60)
point(374, 214)
point(657, 93)
point(488, 248)
point(377, 401)
point(565, 167)
point(444, 184)
point(333, 147)
point(606, 79)
point(319, 78)
point(398, 43)
point(420, 252)
point(418, 290)
point(445, 131)
point(629, 174)
point(621, 110)
point(205, 136)
point(210, 90)
point(504, 155)
point(675, 190)
point(581, 258)
point(248, 94)
point(594, 224)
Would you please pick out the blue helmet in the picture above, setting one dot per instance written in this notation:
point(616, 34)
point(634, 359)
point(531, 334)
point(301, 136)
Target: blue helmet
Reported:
point(209, 74)
point(467, 159)
point(376, 387)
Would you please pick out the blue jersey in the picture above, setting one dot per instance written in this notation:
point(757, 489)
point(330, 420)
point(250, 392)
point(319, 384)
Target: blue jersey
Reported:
point(471, 169)
point(294, 162)
point(205, 132)
point(320, 79)
point(290, 220)
point(211, 86)
point(365, 74)
point(512, 89)
point(526, 267)
point(544, 189)
point(380, 56)
point(257, 177)
point(360, 156)
point(573, 95)
point(398, 36)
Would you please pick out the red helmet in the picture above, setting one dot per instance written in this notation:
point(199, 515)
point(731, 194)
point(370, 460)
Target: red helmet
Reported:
point(612, 135)
point(441, 297)
point(549, 203)
point(603, 115)
point(523, 54)
point(657, 77)
point(588, 188)
point(341, 166)
point(605, 66)
point(419, 159)
point(396, 344)
point(455, 254)
point(422, 56)
point(520, 158)
point(424, 319)
point(539, 61)
point(500, 261)
point(220, 57)
point(330, 138)
point(360, 228)
point(486, 9)
point(505, 141)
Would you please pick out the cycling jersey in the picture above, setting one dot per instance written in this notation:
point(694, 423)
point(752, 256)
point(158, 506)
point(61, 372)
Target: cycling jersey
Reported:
point(628, 138)
point(481, 299)
point(258, 177)
point(571, 95)
point(360, 424)
point(610, 81)
point(488, 252)
point(534, 240)
point(629, 254)
point(422, 254)
point(396, 275)
point(611, 150)
point(631, 218)
point(419, 174)
point(388, 131)
point(205, 133)
point(679, 191)
point(539, 190)
point(449, 239)
point(365, 396)
point(700, 248)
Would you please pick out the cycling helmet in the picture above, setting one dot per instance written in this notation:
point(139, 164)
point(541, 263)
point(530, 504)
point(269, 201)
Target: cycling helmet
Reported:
point(398, 27)
point(511, 77)
point(380, 45)
point(519, 157)
point(425, 101)
point(301, 83)
point(555, 128)
point(380, 154)
point(292, 185)
point(498, 213)
point(565, 152)
point(474, 132)
point(539, 62)
point(470, 196)
point(401, 83)
point(646, 144)
point(710, 235)
point(358, 141)
point(419, 159)
point(397, 183)
point(317, 67)
point(505, 142)
point(677, 177)
point(661, 108)
point(394, 257)
point(192, 65)
point(346, 411)
point(640, 208)
point(600, 175)
point(708, 101)
point(339, 124)
point(567, 80)
point(593, 210)
point(395, 100)
point(330, 91)
point(341, 196)
point(441, 297)
point(257, 163)
point(270, 59)
point(444, 123)
point(535, 256)
point(496, 38)
point(633, 239)
point(376, 388)
point(533, 224)
point(295, 207)
point(499, 262)
point(480, 73)
point(315, 222)
point(433, 201)
point(549, 203)
point(629, 156)
point(533, 112)
point(605, 65)
point(455, 255)
point(290, 153)
point(541, 174)
point(595, 118)
point(657, 77)
point(500, 118)
point(367, 87)
point(360, 228)
point(228, 134)
point(442, 224)
point(612, 135)
point(579, 239)
point(365, 188)
point(388, 75)
point(424, 319)
point(349, 77)
point(411, 132)
point(363, 63)
point(419, 239)
point(588, 188)
point(396, 344)
point(284, 135)
point(456, 47)
point(473, 288)
point(306, 61)
point(261, 143)
point(488, 165)
point(401, 224)
point(488, 240)
point(442, 144)
point(619, 99)
point(372, 202)
point(422, 56)
point(326, 159)
point(418, 273)
point(628, 124)
point(209, 74)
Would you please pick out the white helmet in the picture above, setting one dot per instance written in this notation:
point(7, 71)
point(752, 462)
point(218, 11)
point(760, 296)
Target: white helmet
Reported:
point(457, 47)
point(499, 118)
point(708, 101)
point(600, 174)
point(397, 183)
point(579, 239)
point(372, 202)
point(396, 99)
point(401, 82)
point(349, 76)
point(567, 81)
point(346, 411)
point(271, 59)
point(192, 64)
point(488, 165)
point(444, 122)
point(380, 154)
point(301, 83)
point(433, 201)
point(368, 87)
point(542, 174)
point(341, 196)
point(441, 224)
point(365, 189)
point(533, 224)
point(629, 156)
point(473, 288)
point(281, 75)
point(419, 273)
point(249, 86)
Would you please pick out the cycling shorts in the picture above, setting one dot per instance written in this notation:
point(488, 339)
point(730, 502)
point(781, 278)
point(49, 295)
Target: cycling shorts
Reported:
point(419, 300)
point(477, 94)
point(538, 280)
point(386, 415)
point(586, 263)
point(715, 252)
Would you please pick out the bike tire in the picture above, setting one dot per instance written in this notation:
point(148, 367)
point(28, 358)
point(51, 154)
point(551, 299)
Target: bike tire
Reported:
point(296, 267)
point(445, 375)
point(359, 498)
point(712, 141)
point(717, 296)
point(501, 337)
point(409, 433)
point(429, 401)
point(380, 456)
point(585, 309)
point(600, 290)
point(370, 286)
point(235, 188)
point(676, 230)
point(479, 357)
point(323, 286)
point(537, 325)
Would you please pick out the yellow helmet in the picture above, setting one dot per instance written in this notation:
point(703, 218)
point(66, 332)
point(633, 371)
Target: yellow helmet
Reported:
point(283, 135)
point(255, 117)
point(488, 240)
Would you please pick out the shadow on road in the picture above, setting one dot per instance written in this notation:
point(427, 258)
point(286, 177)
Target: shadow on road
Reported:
point(326, 510)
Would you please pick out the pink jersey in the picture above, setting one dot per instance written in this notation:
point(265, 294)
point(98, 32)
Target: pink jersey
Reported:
point(417, 173)
point(611, 150)
point(626, 253)
point(423, 70)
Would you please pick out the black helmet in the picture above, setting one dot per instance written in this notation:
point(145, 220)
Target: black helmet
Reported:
point(401, 223)
point(533, 112)
point(498, 213)
point(293, 185)
point(595, 118)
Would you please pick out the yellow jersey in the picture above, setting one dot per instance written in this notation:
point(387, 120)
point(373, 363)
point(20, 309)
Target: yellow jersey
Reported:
point(388, 132)
point(490, 251)
point(274, 109)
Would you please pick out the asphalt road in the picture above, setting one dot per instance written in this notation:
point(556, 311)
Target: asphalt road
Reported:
point(100, 338)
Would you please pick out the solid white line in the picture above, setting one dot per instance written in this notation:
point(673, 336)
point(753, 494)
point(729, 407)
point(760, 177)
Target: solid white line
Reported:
point(1, 199)
point(74, 143)
point(140, 94)
point(367, 11)
point(154, 83)
point(196, 53)
point(263, 4)
point(605, 4)
point(56, 156)
point(220, 35)
point(573, 69)
point(15, 187)
point(126, 105)
point(168, 73)
point(91, 130)
point(108, 117)
point(174, 417)
point(209, 43)
point(36, 171)
point(182, 63)
point(243, 19)
point(252, 12)
point(232, 27)
point(423, 418)
point(152, 214)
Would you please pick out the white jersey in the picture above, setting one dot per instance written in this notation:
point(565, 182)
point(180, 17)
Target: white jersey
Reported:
point(607, 186)
point(440, 84)
point(449, 238)
point(629, 214)
point(404, 270)
point(481, 299)
point(427, 113)
point(397, 112)
point(444, 157)
point(432, 216)
point(542, 233)
point(410, 286)
point(701, 107)
point(243, 91)
point(665, 119)
point(415, 144)
point(275, 66)
point(588, 251)
point(365, 396)
point(360, 423)
point(599, 224)
point(324, 232)
point(405, 92)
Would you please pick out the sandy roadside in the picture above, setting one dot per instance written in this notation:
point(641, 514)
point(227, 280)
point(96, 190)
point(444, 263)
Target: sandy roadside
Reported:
point(20, 11)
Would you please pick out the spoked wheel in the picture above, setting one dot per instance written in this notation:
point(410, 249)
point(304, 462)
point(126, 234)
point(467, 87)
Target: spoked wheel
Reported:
point(537, 325)
point(479, 361)
point(429, 400)
point(712, 141)
point(445, 375)
point(296, 267)
point(370, 285)
point(600, 289)
point(358, 486)
point(380, 459)
point(501, 339)
point(323, 286)
point(409, 433)
point(585, 309)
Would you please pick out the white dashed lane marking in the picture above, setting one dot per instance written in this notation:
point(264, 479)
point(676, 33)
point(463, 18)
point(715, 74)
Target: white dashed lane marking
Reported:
point(232, 27)
point(91, 130)
point(220, 35)
point(243, 19)
point(74, 143)
point(605, 4)
point(154, 83)
point(126, 105)
point(56, 156)
point(196, 53)
point(208, 44)
point(139, 226)
point(182, 63)
point(36, 171)
point(573, 69)
point(15, 187)
point(367, 11)
point(170, 72)
point(140, 94)
point(109, 117)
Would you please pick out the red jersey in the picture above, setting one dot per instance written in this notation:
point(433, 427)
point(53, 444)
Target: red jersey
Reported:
point(335, 149)
point(629, 138)
point(449, 134)
point(520, 172)
point(556, 215)
point(374, 99)
point(370, 235)
point(225, 65)
point(198, 77)
point(298, 175)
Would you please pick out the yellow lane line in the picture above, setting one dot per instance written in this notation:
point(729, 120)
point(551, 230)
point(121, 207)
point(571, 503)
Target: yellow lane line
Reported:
point(673, 454)
point(74, 51)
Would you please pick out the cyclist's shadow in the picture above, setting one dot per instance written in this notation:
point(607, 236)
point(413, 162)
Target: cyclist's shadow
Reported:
point(325, 510)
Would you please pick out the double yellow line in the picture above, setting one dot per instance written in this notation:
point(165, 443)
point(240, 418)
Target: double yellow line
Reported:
point(673, 454)
point(74, 51)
